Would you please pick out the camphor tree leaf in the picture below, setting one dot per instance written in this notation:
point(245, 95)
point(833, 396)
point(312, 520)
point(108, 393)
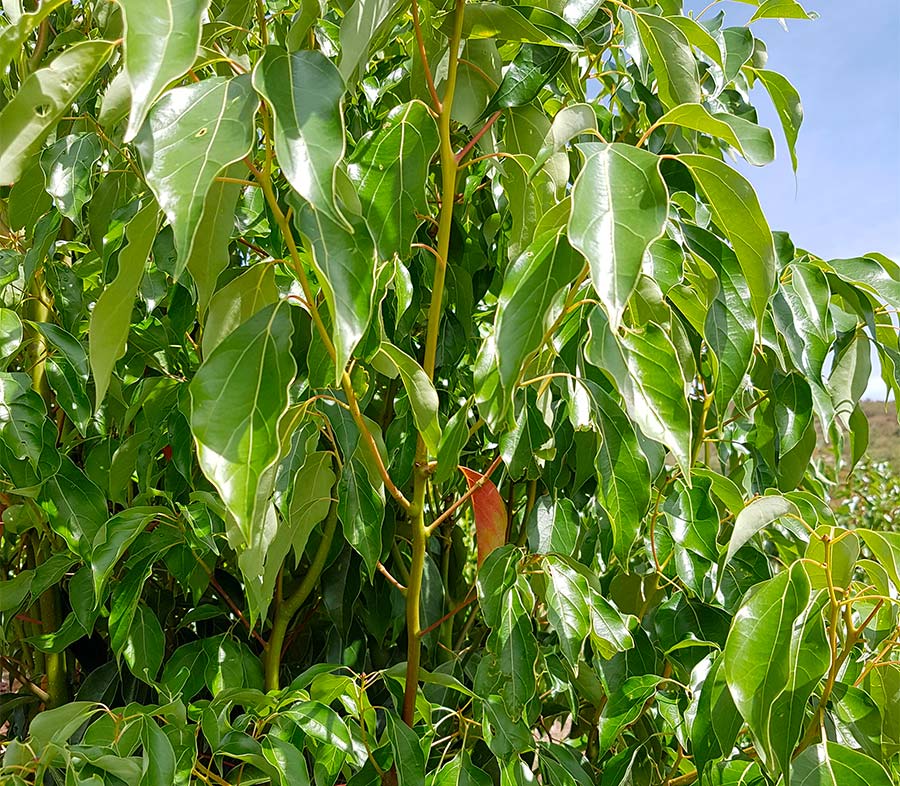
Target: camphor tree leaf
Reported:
point(145, 644)
point(310, 499)
point(192, 134)
point(423, 398)
point(345, 263)
point(42, 100)
point(11, 333)
point(787, 104)
point(830, 764)
point(361, 28)
point(236, 302)
point(14, 36)
point(162, 38)
point(758, 515)
point(645, 368)
point(774, 657)
point(673, 61)
point(752, 141)
point(389, 168)
point(490, 513)
point(237, 399)
point(619, 207)
point(529, 24)
point(111, 541)
point(111, 317)
point(361, 511)
point(735, 209)
point(304, 90)
point(67, 165)
point(530, 287)
point(533, 67)
point(780, 9)
point(568, 123)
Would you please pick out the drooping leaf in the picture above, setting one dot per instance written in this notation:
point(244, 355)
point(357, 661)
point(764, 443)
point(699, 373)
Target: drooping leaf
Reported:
point(757, 515)
point(112, 540)
point(304, 91)
point(310, 499)
point(145, 645)
point(831, 764)
point(389, 168)
point(361, 511)
point(787, 104)
point(490, 513)
point(533, 67)
point(162, 38)
point(619, 207)
point(423, 398)
point(111, 317)
point(735, 209)
point(408, 756)
point(237, 398)
point(192, 134)
point(568, 123)
point(11, 333)
point(236, 302)
point(775, 655)
point(42, 100)
point(673, 61)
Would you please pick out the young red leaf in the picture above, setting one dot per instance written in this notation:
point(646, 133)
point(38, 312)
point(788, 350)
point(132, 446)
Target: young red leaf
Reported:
point(490, 513)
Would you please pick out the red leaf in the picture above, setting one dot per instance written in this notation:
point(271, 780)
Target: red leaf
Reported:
point(490, 514)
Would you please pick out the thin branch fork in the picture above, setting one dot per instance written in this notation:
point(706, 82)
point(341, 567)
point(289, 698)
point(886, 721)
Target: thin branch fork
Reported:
point(464, 498)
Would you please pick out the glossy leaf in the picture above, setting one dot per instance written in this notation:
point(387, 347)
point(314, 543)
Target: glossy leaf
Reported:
point(236, 302)
point(310, 499)
point(490, 513)
point(304, 91)
point(237, 399)
point(758, 515)
point(673, 61)
point(361, 511)
point(111, 317)
point(145, 645)
point(423, 398)
point(780, 9)
point(14, 35)
point(787, 104)
point(775, 655)
point(533, 67)
point(830, 764)
point(191, 135)
point(389, 168)
point(43, 98)
point(619, 207)
point(67, 166)
point(735, 208)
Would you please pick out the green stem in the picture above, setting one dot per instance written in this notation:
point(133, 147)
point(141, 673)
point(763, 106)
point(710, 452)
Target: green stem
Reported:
point(288, 608)
point(416, 510)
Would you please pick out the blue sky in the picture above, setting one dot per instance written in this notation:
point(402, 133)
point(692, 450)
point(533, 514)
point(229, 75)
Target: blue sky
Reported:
point(845, 199)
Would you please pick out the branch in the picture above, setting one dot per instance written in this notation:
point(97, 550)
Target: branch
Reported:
point(464, 498)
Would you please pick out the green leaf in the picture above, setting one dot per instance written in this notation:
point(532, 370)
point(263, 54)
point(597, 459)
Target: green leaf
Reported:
point(71, 394)
point(568, 598)
point(644, 365)
point(145, 645)
point(673, 61)
point(289, 761)
point(389, 169)
point(124, 600)
point(568, 123)
point(885, 546)
point(162, 39)
point(10, 333)
point(111, 317)
point(830, 764)
point(552, 526)
point(623, 472)
point(75, 506)
point(24, 427)
point(756, 516)
point(530, 287)
point(14, 36)
point(56, 725)
point(774, 657)
point(345, 264)
point(210, 253)
point(528, 24)
point(787, 104)
point(408, 756)
point(735, 209)
point(362, 28)
point(533, 67)
point(453, 440)
point(68, 165)
point(729, 328)
point(715, 721)
point(112, 539)
point(237, 398)
point(159, 756)
point(304, 90)
point(361, 511)
point(624, 706)
point(192, 134)
point(619, 207)
point(850, 376)
point(780, 9)
point(752, 141)
point(423, 397)
point(322, 723)
point(234, 304)
point(310, 499)
point(42, 100)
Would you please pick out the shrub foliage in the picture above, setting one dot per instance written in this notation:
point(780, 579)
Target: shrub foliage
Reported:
point(415, 393)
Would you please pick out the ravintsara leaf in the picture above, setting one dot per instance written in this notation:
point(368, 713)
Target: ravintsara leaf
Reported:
point(237, 399)
point(409, 758)
point(780, 9)
point(830, 764)
point(192, 134)
point(42, 100)
point(619, 207)
point(644, 366)
point(389, 168)
point(145, 645)
point(310, 499)
point(76, 508)
point(757, 515)
point(162, 38)
point(68, 165)
point(673, 60)
point(111, 317)
point(530, 287)
point(533, 67)
point(14, 36)
point(752, 141)
point(567, 124)
point(774, 657)
point(304, 90)
point(714, 720)
point(362, 27)
point(236, 302)
point(787, 104)
point(736, 211)
point(423, 398)
point(111, 541)
point(361, 511)
point(11, 333)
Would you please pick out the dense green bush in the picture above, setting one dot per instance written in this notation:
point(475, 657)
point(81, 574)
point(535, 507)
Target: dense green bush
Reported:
point(273, 273)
